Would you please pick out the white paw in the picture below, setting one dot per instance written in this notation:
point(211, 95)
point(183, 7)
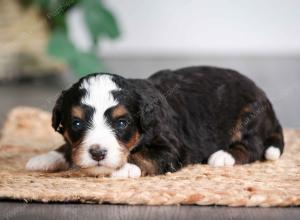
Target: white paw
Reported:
point(52, 161)
point(272, 153)
point(127, 171)
point(221, 158)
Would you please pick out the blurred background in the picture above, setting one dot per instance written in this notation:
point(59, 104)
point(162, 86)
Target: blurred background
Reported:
point(45, 45)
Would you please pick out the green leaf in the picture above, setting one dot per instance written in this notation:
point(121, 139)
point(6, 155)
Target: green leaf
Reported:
point(85, 63)
point(55, 11)
point(60, 46)
point(100, 20)
point(44, 4)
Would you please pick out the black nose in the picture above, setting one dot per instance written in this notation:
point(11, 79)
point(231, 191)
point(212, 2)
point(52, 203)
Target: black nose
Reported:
point(97, 153)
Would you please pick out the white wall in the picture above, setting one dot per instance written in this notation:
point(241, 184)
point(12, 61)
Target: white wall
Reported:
point(197, 27)
point(259, 38)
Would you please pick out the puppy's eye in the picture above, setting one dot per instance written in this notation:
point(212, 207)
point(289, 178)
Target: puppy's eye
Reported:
point(121, 124)
point(77, 124)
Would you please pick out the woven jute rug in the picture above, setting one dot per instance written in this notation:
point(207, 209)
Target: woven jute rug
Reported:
point(27, 132)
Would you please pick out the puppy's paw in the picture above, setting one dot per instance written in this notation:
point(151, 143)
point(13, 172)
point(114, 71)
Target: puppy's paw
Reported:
point(272, 153)
point(127, 171)
point(221, 158)
point(49, 162)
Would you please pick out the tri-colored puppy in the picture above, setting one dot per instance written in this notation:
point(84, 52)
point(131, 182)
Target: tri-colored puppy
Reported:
point(132, 127)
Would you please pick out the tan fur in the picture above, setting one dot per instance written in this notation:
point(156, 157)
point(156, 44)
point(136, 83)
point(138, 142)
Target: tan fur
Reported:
point(133, 141)
point(236, 136)
point(236, 131)
point(76, 154)
point(119, 111)
point(240, 154)
point(147, 166)
point(67, 137)
point(77, 112)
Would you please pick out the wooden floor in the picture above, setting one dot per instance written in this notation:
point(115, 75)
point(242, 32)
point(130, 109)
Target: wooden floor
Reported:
point(44, 97)
point(25, 211)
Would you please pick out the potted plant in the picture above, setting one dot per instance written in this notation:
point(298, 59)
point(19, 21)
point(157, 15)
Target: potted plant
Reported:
point(99, 23)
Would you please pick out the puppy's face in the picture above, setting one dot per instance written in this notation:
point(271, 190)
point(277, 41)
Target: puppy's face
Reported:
point(98, 119)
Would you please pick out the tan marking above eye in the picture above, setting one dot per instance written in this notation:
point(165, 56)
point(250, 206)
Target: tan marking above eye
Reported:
point(119, 111)
point(77, 112)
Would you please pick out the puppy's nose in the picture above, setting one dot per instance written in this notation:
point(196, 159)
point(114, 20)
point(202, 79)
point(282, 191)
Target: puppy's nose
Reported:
point(97, 153)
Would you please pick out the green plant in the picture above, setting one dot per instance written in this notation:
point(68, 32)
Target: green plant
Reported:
point(100, 22)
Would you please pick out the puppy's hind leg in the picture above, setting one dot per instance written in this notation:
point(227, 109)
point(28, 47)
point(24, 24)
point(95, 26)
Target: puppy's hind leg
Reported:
point(258, 135)
point(249, 150)
point(53, 161)
point(274, 144)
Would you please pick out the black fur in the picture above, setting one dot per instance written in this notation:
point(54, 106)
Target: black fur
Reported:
point(186, 115)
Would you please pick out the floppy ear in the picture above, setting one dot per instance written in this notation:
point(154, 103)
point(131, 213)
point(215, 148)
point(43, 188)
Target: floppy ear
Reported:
point(57, 114)
point(156, 116)
point(151, 111)
point(159, 125)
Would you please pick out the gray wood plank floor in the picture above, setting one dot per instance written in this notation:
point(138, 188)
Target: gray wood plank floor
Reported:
point(24, 211)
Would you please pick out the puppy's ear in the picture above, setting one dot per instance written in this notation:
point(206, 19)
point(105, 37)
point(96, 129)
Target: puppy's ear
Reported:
point(150, 111)
point(57, 113)
point(155, 112)
point(159, 123)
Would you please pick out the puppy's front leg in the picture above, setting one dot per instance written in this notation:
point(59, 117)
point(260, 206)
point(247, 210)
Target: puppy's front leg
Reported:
point(53, 161)
point(127, 171)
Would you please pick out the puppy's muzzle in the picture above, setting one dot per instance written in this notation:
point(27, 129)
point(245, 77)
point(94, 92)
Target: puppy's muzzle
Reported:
point(97, 153)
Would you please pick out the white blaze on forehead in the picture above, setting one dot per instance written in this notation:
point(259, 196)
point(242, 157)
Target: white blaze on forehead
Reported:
point(99, 96)
point(99, 90)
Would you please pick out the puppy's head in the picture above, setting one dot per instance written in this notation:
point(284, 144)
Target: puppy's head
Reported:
point(99, 118)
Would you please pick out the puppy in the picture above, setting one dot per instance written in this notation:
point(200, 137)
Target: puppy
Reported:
point(135, 127)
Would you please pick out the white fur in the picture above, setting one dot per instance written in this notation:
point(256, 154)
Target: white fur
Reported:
point(272, 153)
point(99, 96)
point(127, 171)
point(221, 158)
point(51, 161)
